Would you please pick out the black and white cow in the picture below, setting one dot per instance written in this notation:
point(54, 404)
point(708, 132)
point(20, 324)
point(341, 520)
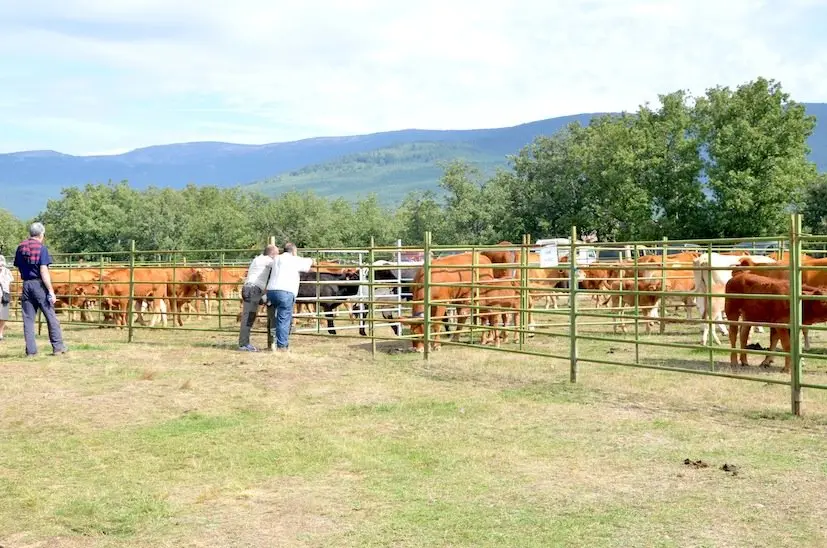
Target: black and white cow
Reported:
point(330, 291)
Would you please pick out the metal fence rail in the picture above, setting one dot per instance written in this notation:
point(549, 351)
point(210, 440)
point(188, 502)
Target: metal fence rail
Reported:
point(487, 303)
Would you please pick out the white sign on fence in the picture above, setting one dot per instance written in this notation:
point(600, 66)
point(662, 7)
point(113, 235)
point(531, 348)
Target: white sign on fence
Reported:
point(548, 256)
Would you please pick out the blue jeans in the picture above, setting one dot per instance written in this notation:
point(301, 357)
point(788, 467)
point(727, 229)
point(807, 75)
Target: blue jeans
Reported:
point(280, 310)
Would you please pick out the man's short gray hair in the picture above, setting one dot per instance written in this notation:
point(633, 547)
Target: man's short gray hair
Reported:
point(36, 229)
point(289, 247)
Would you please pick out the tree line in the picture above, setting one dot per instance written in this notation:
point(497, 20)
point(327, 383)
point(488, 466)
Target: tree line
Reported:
point(730, 163)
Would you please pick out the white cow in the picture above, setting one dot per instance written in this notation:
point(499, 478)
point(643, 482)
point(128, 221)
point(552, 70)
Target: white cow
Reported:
point(717, 286)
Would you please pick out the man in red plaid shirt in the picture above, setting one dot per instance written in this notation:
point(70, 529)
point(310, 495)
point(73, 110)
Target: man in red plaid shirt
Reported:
point(32, 259)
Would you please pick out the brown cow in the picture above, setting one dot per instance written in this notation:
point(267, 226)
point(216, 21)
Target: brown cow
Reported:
point(498, 294)
point(646, 300)
point(75, 287)
point(809, 276)
point(442, 296)
point(775, 311)
point(183, 287)
point(150, 284)
point(676, 279)
point(539, 281)
point(506, 256)
point(220, 284)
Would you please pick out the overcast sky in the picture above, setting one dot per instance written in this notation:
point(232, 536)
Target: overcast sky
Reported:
point(106, 76)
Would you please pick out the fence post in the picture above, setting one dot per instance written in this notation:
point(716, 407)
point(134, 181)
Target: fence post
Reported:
point(130, 305)
point(636, 290)
point(99, 301)
point(710, 325)
point(795, 313)
point(573, 305)
point(399, 284)
point(475, 299)
point(219, 291)
point(272, 241)
point(371, 293)
point(525, 298)
point(663, 287)
point(426, 286)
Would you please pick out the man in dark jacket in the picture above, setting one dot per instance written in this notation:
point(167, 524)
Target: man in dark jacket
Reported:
point(32, 259)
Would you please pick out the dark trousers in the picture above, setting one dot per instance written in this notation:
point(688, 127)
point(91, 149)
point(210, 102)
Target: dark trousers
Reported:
point(35, 298)
point(251, 295)
point(280, 310)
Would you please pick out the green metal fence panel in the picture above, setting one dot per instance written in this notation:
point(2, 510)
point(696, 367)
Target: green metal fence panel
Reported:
point(581, 327)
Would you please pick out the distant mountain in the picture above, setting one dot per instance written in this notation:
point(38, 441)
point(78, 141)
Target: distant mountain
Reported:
point(392, 162)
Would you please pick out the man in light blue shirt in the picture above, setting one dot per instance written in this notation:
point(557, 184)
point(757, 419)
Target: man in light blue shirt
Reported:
point(282, 289)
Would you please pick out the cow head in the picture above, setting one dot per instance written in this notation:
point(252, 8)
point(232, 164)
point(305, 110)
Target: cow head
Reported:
point(814, 310)
point(652, 285)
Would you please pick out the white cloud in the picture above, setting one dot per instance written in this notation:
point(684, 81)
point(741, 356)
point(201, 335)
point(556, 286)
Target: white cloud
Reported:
point(254, 69)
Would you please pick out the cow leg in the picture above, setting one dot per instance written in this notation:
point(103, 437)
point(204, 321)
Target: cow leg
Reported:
point(784, 334)
point(744, 339)
point(702, 312)
point(498, 323)
point(733, 341)
point(359, 312)
point(806, 332)
point(462, 316)
point(653, 314)
point(774, 337)
point(179, 312)
point(328, 314)
point(437, 311)
point(717, 314)
point(389, 316)
point(617, 313)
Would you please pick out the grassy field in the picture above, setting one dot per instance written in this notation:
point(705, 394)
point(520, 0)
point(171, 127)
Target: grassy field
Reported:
point(180, 440)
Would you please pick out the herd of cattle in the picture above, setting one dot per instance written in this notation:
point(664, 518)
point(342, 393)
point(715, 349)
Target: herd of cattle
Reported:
point(495, 297)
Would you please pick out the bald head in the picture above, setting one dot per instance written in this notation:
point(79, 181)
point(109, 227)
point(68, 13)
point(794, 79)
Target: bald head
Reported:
point(271, 251)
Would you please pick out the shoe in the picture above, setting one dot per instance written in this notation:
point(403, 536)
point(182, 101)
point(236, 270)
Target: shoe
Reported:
point(248, 348)
point(284, 349)
point(60, 352)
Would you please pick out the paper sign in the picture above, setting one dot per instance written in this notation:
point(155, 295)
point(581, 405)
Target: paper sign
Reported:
point(548, 256)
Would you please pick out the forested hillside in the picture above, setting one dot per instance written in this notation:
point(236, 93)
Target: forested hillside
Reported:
point(30, 178)
point(731, 163)
point(391, 172)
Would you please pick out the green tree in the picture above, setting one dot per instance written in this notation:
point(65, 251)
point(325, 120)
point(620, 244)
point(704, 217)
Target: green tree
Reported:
point(470, 205)
point(814, 212)
point(96, 218)
point(218, 219)
point(419, 213)
point(670, 168)
point(370, 218)
point(755, 140)
point(12, 232)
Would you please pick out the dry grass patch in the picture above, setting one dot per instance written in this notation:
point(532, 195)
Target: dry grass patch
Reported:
point(328, 447)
